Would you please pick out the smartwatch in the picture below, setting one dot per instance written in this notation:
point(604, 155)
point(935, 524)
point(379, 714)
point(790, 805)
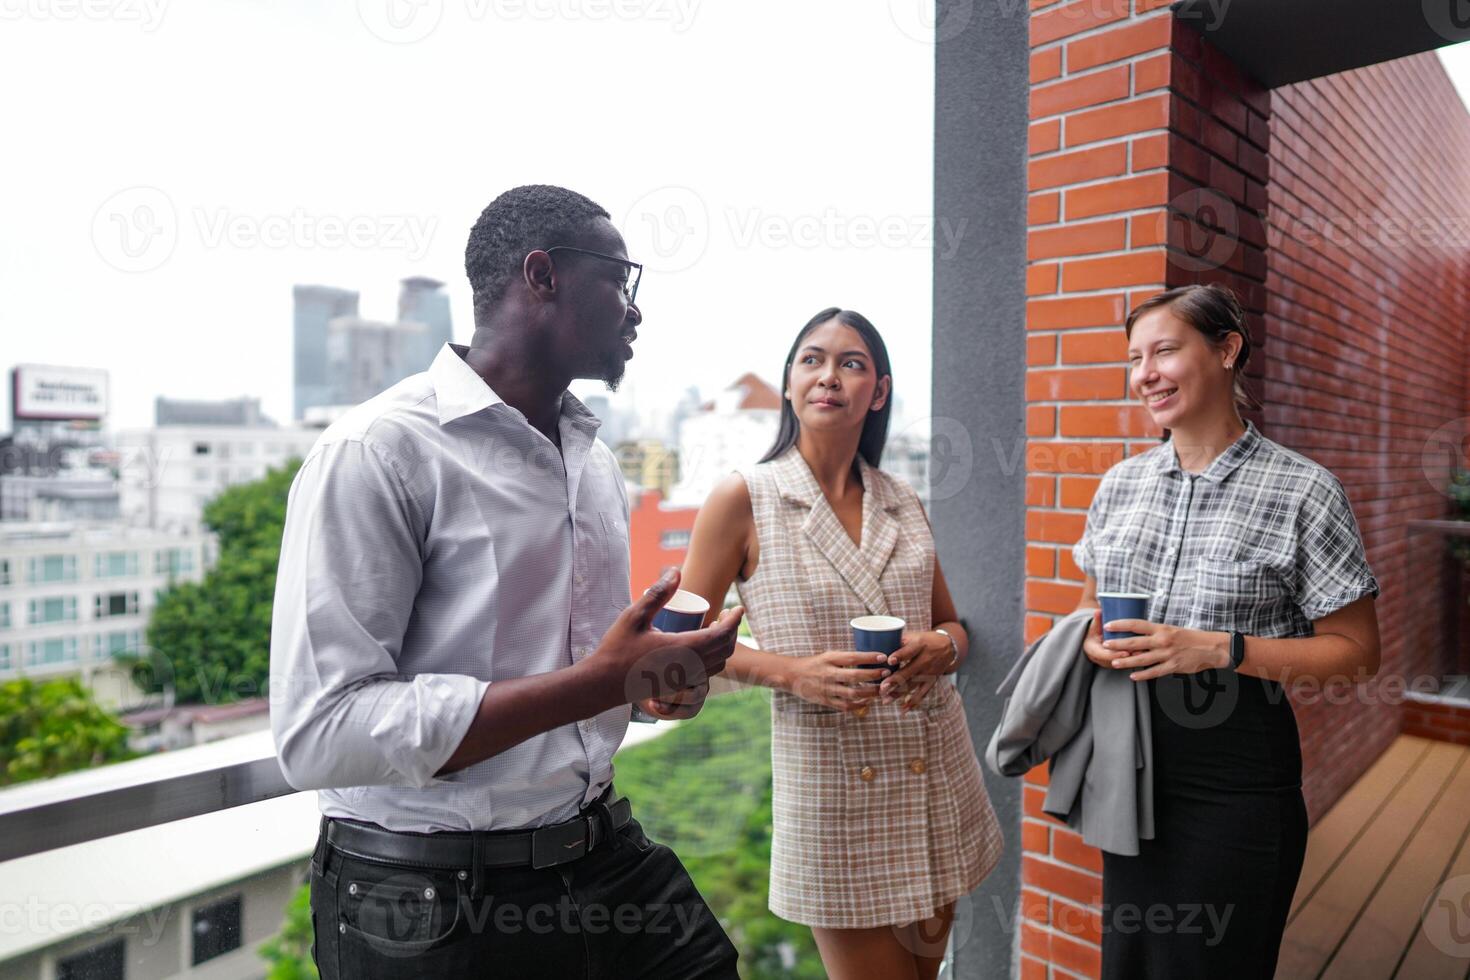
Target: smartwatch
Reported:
point(1237, 650)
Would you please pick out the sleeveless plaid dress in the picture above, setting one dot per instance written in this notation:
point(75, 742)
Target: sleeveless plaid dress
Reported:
point(880, 819)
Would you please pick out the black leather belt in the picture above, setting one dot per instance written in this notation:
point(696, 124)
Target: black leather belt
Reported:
point(543, 847)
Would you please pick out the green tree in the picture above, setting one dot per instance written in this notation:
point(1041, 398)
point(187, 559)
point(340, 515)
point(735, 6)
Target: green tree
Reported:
point(289, 951)
point(704, 789)
point(54, 727)
point(210, 640)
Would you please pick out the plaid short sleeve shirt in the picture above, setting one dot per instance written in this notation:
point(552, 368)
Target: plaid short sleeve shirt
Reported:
point(1262, 542)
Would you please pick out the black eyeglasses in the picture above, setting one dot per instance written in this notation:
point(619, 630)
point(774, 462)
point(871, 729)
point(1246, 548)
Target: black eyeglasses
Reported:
point(635, 269)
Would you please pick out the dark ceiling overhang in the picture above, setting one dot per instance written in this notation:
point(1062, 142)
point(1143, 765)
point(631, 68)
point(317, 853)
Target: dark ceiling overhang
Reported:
point(1278, 42)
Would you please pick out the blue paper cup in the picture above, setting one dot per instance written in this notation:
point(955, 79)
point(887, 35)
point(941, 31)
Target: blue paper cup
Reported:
point(876, 634)
point(1122, 605)
point(682, 613)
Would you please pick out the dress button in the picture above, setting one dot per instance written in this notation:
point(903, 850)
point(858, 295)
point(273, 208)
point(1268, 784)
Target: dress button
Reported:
point(867, 774)
point(917, 767)
point(861, 711)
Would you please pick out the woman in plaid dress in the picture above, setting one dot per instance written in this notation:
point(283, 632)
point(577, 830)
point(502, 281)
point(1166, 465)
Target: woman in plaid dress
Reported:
point(1255, 575)
point(881, 819)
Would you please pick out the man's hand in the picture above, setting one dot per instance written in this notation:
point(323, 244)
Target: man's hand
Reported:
point(679, 705)
point(641, 664)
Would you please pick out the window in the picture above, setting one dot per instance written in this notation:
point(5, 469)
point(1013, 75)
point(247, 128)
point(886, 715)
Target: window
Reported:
point(201, 474)
point(4, 615)
point(173, 561)
point(116, 604)
point(59, 650)
point(62, 609)
point(103, 962)
point(4, 571)
point(4, 656)
point(121, 641)
point(201, 449)
point(246, 449)
point(673, 540)
point(216, 929)
point(53, 568)
point(117, 564)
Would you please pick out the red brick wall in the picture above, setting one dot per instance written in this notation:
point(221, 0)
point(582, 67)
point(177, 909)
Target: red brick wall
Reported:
point(1368, 314)
point(1152, 160)
point(1440, 720)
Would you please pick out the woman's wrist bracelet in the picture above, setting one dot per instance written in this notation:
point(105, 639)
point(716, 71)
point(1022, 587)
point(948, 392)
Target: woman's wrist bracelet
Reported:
point(954, 649)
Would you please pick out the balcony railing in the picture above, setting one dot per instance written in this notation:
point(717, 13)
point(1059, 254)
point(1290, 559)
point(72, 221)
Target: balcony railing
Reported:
point(83, 806)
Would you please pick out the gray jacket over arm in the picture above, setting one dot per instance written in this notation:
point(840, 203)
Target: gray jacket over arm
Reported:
point(1094, 727)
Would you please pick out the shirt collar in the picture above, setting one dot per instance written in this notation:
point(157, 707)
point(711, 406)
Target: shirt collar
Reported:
point(459, 391)
point(1223, 465)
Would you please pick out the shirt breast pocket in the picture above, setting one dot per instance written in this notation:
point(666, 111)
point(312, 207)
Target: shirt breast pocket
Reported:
point(615, 585)
point(1234, 594)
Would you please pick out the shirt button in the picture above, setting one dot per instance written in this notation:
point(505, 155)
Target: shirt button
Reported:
point(917, 767)
point(867, 774)
point(580, 579)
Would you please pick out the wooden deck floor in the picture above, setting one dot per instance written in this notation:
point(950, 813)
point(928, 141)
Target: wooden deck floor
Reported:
point(1374, 860)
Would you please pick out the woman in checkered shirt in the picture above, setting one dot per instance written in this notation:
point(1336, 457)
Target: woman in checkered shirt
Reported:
point(1255, 575)
point(881, 820)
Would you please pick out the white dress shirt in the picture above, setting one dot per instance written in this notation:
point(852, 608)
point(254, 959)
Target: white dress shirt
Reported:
point(436, 543)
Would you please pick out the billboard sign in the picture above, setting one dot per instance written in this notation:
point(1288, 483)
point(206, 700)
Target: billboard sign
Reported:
point(42, 392)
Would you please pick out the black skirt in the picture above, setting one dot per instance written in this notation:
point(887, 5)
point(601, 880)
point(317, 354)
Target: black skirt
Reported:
point(1209, 895)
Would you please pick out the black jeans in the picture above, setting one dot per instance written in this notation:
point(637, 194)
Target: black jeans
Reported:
point(626, 910)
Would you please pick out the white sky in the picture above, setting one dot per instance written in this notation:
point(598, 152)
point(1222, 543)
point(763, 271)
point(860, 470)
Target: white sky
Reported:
point(736, 121)
point(172, 169)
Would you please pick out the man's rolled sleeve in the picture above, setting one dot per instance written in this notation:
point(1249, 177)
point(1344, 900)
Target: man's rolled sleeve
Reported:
point(350, 567)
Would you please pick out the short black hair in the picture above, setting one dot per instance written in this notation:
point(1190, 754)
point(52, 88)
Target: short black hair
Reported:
point(517, 222)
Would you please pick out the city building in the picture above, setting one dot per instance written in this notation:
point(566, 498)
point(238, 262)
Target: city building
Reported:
point(74, 596)
point(168, 727)
point(658, 536)
point(169, 472)
point(649, 464)
point(342, 358)
point(56, 465)
point(366, 357)
point(234, 411)
point(423, 301)
point(732, 431)
point(314, 308)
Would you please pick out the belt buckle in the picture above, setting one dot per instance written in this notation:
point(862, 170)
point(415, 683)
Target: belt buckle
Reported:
point(558, 844)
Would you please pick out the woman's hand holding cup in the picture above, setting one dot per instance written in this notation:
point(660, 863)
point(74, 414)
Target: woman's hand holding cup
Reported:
point(846, 680)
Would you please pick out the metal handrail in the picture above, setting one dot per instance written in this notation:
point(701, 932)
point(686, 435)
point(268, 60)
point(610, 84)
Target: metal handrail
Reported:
point(114, 799)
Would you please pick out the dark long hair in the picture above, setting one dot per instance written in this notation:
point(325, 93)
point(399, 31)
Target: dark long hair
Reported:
point(1214, 311)
point(875, 426)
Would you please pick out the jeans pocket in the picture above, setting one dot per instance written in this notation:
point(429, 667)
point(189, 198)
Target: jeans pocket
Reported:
point(396, 911)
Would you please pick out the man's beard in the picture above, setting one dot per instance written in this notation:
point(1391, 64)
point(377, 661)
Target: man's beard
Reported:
point(613, 367)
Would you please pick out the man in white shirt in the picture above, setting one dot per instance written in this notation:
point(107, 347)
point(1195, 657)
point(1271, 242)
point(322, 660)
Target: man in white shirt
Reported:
point(452, 665)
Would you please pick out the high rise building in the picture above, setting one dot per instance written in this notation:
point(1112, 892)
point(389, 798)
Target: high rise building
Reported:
point(423, 300)
point(365, 357)
point(315, 308)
